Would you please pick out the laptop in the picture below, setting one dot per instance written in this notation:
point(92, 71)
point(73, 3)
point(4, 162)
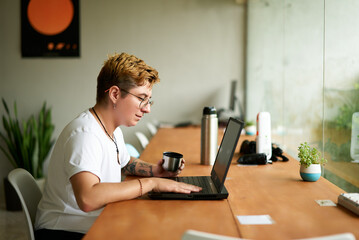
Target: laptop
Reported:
point(212, 186)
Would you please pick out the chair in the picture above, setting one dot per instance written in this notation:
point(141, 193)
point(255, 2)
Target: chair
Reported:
point(198, 235)
point(142, 138)
point(29, 194)
point(341, 236)
point(132, 151)
point(152, 128)
point(156, 123)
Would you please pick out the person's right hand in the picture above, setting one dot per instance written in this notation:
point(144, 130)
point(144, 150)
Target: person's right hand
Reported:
point(167, 185)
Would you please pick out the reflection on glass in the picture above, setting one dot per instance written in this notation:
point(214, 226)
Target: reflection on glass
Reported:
point(303, 68)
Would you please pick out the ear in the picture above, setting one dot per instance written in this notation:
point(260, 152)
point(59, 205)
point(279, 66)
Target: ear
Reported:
point(114, 94)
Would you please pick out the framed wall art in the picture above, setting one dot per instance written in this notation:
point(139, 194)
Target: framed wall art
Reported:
point(50, 28)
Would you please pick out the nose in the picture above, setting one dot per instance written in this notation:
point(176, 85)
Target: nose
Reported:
point(146, 109)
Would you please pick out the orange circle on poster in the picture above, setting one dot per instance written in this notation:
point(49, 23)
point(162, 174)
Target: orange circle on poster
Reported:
point(50, 17)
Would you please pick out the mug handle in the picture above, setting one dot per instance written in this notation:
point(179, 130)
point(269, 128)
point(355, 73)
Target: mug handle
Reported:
point(181, 161)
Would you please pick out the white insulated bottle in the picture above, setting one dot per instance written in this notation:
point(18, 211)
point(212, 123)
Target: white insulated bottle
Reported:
point(209, 136)
point(263, 139)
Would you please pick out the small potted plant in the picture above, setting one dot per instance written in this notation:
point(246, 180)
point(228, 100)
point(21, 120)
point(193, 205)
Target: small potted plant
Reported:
point(250, 128)
point(310, 162)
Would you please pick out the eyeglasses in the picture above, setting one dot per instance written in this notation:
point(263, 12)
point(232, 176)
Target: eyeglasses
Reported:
point(144, 101)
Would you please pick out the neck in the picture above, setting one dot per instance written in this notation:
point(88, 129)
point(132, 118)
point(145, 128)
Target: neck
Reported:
point(103, 118)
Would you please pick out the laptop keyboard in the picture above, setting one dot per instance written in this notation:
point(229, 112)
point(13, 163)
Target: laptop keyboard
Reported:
point(202, 182)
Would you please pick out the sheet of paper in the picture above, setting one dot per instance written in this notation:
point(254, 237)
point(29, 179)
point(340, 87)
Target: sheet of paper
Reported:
point(326, 203)
point(255, 219)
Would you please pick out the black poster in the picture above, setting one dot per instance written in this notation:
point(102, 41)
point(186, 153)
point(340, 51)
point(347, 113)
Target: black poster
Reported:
point(50, 28)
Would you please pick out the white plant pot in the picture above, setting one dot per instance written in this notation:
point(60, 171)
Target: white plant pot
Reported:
point(311, 173)
point(251, 130)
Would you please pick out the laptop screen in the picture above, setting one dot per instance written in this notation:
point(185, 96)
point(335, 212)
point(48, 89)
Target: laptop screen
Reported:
point(225, 151)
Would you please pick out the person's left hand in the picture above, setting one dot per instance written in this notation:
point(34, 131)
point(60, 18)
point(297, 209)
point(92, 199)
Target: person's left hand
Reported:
point(159, 171)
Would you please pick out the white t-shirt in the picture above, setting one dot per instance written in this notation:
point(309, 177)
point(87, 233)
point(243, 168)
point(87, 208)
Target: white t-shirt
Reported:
point(82, 146)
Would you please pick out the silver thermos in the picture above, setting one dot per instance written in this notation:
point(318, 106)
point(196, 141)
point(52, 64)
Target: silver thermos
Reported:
point(209, 135)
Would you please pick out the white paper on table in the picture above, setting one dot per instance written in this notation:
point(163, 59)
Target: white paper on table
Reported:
point(255, 219)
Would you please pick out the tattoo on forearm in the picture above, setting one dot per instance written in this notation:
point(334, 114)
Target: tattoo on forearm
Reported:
point(142, 172)
point(145, 169)
point(151, 172)
point(131, 168)
point(137, 167)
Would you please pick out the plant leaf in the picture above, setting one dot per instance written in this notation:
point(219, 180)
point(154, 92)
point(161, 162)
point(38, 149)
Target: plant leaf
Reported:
point(5, 106)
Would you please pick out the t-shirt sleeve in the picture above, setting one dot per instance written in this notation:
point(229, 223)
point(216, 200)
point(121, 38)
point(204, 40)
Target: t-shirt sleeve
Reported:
point(83, 153)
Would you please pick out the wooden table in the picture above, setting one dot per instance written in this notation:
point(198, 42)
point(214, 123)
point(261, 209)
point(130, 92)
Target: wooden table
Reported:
point(274, 189)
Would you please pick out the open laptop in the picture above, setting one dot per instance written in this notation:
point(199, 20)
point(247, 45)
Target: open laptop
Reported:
point(212, 186)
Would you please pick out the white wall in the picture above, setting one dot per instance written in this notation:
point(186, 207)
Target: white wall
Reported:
point(196, 45)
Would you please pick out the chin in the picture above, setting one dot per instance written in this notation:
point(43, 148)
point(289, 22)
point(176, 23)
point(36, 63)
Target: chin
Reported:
point(131, 124)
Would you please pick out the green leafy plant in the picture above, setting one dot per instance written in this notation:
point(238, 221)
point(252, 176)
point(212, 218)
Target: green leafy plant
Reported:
point(308, 155)
point(351, 105)
point(338, 152)
point(29, 142)
point(249, 123)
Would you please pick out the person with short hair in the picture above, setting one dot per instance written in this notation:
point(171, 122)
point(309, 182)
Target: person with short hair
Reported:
point(89, 155)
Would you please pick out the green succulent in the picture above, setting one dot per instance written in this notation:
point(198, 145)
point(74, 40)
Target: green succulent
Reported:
point(308, 155)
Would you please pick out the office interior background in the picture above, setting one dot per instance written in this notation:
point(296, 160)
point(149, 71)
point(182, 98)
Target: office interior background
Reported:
point(297, 59)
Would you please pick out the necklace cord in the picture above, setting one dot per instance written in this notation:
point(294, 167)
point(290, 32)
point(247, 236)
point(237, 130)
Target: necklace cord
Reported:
point(112, 139)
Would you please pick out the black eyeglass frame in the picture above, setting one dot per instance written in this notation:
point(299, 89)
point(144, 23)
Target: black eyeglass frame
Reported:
point(143, 100)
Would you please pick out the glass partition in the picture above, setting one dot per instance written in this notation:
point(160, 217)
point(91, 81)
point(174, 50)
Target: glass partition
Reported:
point(303, 68)
point(303, 73)
point(341, 93)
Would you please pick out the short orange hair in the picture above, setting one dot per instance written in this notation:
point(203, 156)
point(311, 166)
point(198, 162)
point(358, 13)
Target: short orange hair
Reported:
point(125, 71)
